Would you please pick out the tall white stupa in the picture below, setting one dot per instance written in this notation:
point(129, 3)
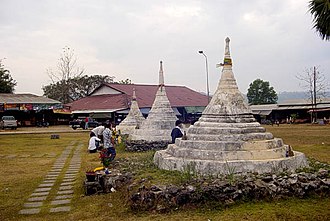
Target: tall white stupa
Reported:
point(161, 118)
point(227, 138)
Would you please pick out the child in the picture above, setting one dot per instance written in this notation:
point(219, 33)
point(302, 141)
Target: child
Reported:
point(94, 143)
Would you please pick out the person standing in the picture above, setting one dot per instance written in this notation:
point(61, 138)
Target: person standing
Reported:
point(98, 132)
point(109, 142)
point(177, 131)
point(86, 123)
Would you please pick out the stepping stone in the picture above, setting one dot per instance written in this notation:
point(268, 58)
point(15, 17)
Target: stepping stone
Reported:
point(25, 155)
point(65, 187)
point(64, 192)
point(40, 198)
point(42, 189)
point(49, 181)
point(52, 175)
point(40, 194)
point(34, 204)
point(60, 202)
point(29, 211)
point(60, 209)
point(69, 180)
point(46, 185)
point(11, 156)
point(60, 197)
point(67, 183)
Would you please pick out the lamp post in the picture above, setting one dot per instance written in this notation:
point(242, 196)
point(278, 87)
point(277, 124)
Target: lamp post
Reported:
point(207, 76)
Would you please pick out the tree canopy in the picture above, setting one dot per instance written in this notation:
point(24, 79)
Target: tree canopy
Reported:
point(260, 92)
point(7, 83)
point(75, 88)
point(320, 10)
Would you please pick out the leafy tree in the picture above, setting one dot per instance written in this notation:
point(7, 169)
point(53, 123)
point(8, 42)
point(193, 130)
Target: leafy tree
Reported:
point(126, 81)
point(79, 87)
point(320, 10)
point(7, 83)
point(260, 92)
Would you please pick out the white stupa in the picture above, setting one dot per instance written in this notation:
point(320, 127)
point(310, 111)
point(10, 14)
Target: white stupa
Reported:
point(161, 118)
point(227, 138)
point(134, 118)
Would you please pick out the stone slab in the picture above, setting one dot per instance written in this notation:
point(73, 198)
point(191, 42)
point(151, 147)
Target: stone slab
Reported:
point(60, 202)
point(29, 211)
point(67, 183)
point(34, 204)
point(40, 198)
point(65, 187)
point(64, 192)
point(60, 209)
point(61, 197)
point(69, 180)
point(42, 189)
point(46, 185)
point(40, 194)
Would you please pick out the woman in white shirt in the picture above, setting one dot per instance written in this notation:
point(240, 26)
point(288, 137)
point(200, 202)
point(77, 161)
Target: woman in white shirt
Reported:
point(94, 143)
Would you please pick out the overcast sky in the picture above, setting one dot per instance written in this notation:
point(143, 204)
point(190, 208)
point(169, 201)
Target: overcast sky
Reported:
point(270, 39)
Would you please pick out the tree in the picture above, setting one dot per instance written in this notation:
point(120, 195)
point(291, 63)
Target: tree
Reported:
point(79, 87)
point(7, 83)
point(67, 69)
point(320, 10)
point(260, 92)
point(314, 82)
point(126, 81)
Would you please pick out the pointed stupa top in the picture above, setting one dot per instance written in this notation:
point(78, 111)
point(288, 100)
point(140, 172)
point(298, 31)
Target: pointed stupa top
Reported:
point(134, 118)
point(227, 59)
point(134, 95)
point(161, 74)
point(161, 118)
point(227, 100)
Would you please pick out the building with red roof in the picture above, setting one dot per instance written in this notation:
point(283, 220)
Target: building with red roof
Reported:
point(113, 101)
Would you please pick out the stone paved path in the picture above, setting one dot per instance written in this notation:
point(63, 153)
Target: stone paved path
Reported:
point(57, 188)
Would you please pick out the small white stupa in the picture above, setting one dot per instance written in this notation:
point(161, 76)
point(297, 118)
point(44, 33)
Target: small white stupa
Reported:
point(161, 118)
point(134, 118)
point(227, 138)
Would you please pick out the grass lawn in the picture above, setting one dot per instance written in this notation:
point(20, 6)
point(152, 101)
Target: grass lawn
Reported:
point(20, 175)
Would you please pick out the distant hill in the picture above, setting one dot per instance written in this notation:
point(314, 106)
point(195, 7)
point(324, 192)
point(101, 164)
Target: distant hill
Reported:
point(283, 96)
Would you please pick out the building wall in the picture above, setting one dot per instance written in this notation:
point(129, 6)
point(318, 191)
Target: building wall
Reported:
point(105, 90)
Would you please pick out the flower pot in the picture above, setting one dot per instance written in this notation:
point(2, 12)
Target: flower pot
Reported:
point(91, 176)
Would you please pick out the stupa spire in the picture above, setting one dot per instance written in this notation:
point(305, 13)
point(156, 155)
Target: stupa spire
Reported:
point(161, 74)
point(227, 59)
point(134, 95)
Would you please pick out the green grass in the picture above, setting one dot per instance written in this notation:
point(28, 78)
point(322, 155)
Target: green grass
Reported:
point(19, 177)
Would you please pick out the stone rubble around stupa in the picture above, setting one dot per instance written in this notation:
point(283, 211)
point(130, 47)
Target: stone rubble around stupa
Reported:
point(161, 118)
point(134, 118)
point(227, 139)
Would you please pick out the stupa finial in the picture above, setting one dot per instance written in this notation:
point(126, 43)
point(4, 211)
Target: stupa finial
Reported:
point(161, 74)
point(227, 59)
point(134, 95)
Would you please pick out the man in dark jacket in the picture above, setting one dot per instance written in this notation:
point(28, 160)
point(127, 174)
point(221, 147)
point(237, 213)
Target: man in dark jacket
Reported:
point(177, 131)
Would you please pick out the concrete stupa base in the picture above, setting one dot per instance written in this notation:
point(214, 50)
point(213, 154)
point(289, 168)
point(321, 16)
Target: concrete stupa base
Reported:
point(164, 160)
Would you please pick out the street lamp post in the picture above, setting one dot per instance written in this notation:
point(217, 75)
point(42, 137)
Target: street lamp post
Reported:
point(207, 76)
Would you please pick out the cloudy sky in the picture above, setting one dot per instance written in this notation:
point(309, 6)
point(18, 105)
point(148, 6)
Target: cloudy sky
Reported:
point(270, 39)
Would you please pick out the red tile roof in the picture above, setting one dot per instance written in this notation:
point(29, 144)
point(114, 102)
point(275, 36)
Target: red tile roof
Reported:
point(179, 96)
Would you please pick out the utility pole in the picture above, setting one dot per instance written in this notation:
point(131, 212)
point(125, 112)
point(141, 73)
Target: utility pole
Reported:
point(314, 95)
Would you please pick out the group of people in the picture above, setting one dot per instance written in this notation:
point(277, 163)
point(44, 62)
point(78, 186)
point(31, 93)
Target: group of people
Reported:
point(102, 135)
